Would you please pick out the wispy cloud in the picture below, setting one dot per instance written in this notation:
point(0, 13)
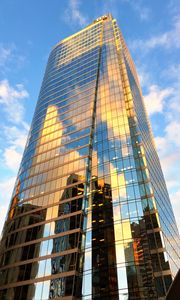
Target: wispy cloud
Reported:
point(169, 151)
point(143, 76)
point(12, 158)
point(173, 132)
point(10, 58)
point(139, 7)
point(73, 14)
point(166, 39)
point(15, 143)
point(13, 135)
point(156, 97)
point(12, 113)
point(16, 136)
point(173, 7)
point(10, 100)
point(5, 54)
point(173, 74)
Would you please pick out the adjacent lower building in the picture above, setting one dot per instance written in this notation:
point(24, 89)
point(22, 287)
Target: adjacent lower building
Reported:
point(90, 216)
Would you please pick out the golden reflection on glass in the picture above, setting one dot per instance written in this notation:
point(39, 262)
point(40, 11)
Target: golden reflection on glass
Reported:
point(118, 232)
point(89, 168)
point(76, 46)
point(15, 200)
point(54, 127)
point(126, 230)
point(121, 180)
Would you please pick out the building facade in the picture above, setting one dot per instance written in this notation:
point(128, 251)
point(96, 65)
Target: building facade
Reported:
point(90, 216)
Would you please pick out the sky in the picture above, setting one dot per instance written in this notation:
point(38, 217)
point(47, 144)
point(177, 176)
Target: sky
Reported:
point(29, 30)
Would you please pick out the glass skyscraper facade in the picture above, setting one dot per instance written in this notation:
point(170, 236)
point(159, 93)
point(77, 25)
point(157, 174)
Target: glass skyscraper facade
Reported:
point(90, 216)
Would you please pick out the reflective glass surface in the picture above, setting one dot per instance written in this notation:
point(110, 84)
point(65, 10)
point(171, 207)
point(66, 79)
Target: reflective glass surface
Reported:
point(90, 216)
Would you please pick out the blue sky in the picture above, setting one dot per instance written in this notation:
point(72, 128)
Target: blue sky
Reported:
point(29, 29)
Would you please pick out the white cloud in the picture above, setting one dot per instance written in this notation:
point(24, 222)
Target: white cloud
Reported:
point(15, 143)
point(170, 142)
point(154, 100)
point(173, 132)
point(168, 147)
point(13, 137)
point(10, 100)
point(161, 145)
point(167, 39)
point(73, 15)
point(12, 158)
point(5, 54)
point(16, 136)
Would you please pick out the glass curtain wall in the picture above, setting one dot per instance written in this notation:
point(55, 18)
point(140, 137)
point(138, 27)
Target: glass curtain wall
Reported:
point(90, 216)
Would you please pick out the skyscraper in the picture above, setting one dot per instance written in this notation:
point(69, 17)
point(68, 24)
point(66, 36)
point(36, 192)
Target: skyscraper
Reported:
point(90, 216)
